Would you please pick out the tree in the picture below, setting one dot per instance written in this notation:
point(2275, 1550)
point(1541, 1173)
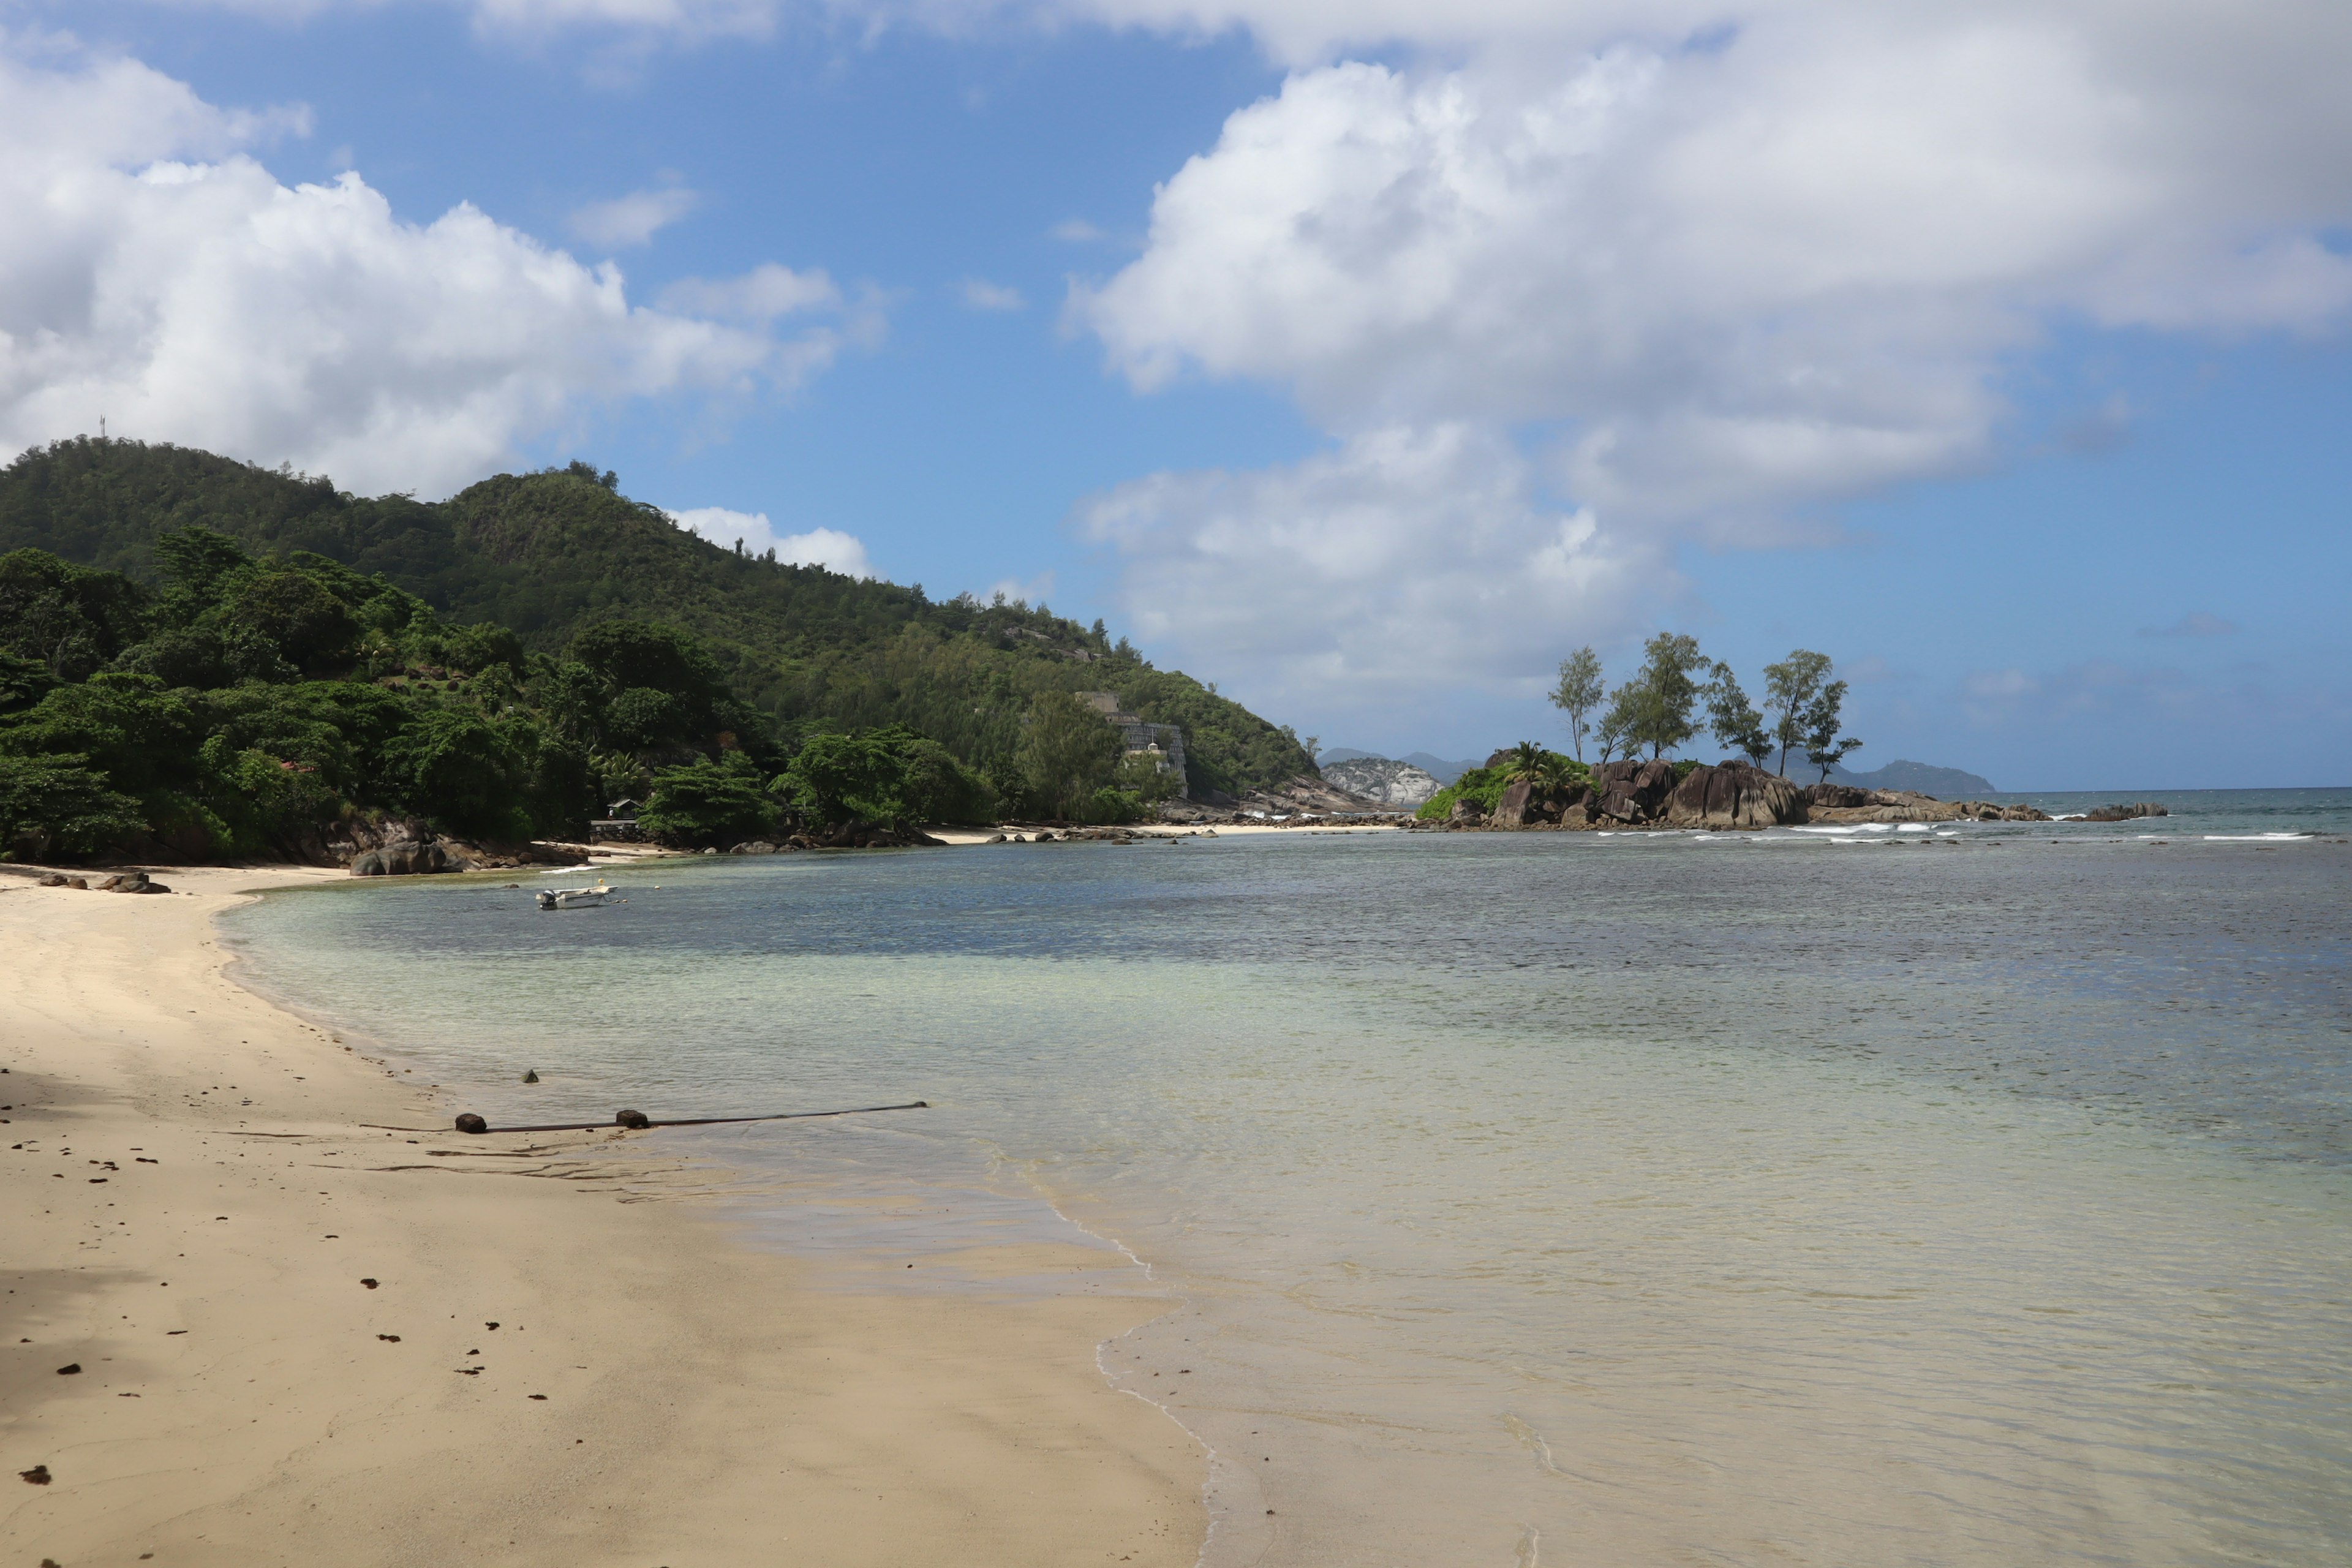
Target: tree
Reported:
point(1525, 763)
point(460, 770)
point(1557, 776)
point(1615, 729)
point(1734, 719)
point(1068, 752)
point(1665, 693)
point(708, 805)
point(59, 807)
point(1820, 724)
point(1578, 693)
point(889, 775)
point(1790, 688)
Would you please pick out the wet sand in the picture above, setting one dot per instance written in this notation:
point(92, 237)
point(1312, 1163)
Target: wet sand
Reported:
point(196, 1204)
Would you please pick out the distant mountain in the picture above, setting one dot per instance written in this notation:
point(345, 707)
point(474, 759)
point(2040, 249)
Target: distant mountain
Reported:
point(1944, 783)
point(1438, 768)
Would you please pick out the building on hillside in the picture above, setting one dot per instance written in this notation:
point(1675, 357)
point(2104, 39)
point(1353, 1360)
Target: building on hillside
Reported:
point(1163, 744)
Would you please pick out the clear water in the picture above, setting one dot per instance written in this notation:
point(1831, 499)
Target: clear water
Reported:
point(1558, 1198)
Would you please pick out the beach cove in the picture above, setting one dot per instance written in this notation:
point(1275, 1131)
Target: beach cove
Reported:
point(302, 1339)
point(1867, 1197)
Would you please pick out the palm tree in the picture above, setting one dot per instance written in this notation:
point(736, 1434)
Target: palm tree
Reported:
point(1555, 776)
point(1525, 763)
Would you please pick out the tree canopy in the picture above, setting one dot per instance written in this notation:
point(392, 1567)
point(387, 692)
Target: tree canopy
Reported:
point(525, 564)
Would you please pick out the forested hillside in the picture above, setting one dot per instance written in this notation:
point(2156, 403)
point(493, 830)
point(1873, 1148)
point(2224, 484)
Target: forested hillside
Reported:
point(548, 554)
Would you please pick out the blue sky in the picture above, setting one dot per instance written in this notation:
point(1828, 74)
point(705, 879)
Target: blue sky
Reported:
point(1363, 366)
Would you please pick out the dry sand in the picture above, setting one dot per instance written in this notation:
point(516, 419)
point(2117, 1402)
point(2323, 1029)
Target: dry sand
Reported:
point(193, 1203)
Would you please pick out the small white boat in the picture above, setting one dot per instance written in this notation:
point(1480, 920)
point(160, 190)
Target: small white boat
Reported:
point(575, 897)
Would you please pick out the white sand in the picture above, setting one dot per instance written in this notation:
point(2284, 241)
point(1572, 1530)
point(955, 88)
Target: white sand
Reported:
point(706, 1405)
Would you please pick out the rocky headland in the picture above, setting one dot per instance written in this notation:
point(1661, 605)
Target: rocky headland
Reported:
point(1724, 797)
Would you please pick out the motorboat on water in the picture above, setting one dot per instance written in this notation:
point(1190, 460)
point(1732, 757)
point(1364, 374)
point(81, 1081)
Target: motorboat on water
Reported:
point(576, 897)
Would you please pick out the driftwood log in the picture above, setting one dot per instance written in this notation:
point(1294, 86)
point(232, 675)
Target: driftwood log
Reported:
point(469, 1122)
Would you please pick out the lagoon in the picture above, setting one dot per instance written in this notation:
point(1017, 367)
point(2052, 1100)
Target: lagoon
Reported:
point(1668, 1197)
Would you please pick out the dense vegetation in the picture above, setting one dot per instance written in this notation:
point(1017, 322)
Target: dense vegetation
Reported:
point(199, 659)
point(546, 555)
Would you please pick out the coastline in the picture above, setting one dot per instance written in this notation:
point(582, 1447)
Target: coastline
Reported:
point(199, 1199)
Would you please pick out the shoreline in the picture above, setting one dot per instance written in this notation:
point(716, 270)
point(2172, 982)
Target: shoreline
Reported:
point(197, 1202)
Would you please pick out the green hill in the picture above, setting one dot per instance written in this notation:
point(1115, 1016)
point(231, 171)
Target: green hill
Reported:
point(549, 554)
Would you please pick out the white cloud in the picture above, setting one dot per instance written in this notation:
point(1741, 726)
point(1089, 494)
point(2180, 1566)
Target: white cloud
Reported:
point(1725, 281)
point(1076, 231)
point(1013, 590)
point(827, 547)
point(1409, 560)
point(767, 292)
point(631, 219)
point(980, 295)
point(153, 272)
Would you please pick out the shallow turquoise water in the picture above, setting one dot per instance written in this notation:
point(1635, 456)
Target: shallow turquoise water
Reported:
point(1559, 1198)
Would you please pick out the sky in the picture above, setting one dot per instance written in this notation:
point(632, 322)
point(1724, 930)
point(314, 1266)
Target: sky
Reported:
point(1363, 358)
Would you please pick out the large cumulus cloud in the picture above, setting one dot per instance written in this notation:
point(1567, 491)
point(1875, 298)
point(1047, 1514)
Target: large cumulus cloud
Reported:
point(153, 272)
point(1713, 283)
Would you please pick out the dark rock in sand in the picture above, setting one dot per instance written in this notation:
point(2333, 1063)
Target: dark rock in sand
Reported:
point(37, 1476)
point(406, 858)
point(632, 1119)
point(70, 1368)
point(531, 1077)
point(469, 1122)
point(369, 1283)
point(51, 880)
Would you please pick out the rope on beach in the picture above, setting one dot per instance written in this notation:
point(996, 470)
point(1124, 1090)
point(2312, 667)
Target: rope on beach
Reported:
point(469, 1122)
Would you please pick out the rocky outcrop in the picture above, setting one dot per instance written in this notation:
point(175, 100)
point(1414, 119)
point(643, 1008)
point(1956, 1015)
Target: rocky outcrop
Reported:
point(1398, 785)
point(1305, 794)
point(409, 859)
point(1841, 796)
point(2125, 813)
point(1734, 795)
point(1901, 806)
point(1631, 792)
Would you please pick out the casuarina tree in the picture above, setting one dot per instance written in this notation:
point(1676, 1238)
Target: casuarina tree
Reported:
point(1791, 688)
point(1578, 693)
point(1820, 724)
point(1665, 693)
point(1733, 719)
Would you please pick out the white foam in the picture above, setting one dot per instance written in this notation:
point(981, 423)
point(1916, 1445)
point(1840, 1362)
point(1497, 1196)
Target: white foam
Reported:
point(2255, 837)
point(1913, 827)
point(565, 871)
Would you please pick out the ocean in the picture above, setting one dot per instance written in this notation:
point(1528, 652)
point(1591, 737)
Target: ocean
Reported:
point(1978, 1195)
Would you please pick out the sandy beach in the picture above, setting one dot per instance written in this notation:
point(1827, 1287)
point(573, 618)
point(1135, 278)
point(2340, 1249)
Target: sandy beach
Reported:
point(309, 1328)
